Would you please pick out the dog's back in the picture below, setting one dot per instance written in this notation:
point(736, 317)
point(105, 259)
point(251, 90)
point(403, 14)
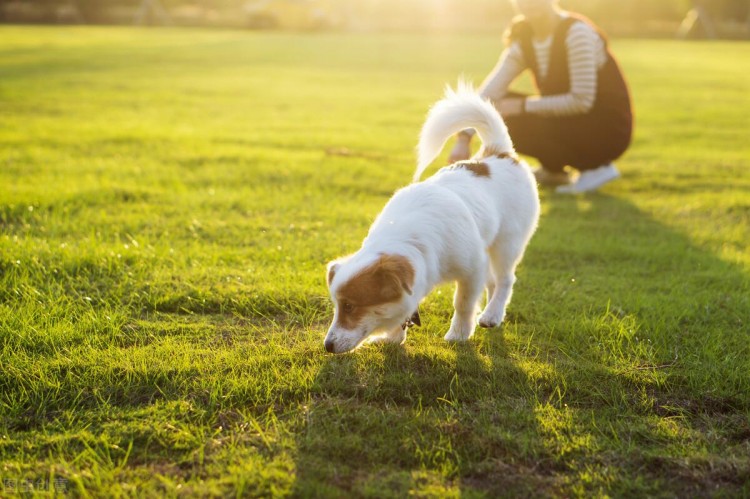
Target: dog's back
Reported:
point(503, 200)
point(496, 186)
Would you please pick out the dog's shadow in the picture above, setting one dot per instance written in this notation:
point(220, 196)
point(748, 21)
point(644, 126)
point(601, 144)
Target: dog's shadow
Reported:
point(504, 413)
point(383, 419)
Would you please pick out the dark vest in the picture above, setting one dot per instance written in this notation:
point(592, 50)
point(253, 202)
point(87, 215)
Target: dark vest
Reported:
point(612, 102)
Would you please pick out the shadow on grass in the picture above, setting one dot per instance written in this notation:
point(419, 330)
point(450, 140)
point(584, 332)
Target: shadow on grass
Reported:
point(604, 267)
point(621, 369)
point(389, 420)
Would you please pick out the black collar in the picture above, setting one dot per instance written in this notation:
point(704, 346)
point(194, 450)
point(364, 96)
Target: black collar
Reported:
point(414, 320)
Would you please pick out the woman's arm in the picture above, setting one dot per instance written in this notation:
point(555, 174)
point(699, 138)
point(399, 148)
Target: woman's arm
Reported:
point(510, 65)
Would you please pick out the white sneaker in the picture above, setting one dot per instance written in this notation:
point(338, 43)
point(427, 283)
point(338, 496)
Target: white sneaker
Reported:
point(591, 180)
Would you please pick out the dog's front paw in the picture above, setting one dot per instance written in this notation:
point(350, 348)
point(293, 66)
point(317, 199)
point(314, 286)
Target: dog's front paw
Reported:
point(488, 320)
point(459, 333)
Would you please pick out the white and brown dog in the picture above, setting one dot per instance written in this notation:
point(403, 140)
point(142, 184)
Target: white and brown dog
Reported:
point(469, 223)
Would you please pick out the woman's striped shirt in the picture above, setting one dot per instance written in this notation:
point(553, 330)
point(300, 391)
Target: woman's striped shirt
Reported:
point(586, 55)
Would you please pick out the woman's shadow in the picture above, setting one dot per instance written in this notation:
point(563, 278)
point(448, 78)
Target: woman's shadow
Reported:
point(611, 308)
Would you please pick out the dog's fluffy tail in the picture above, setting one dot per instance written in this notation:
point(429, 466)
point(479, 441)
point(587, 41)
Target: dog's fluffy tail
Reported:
point(460, 109)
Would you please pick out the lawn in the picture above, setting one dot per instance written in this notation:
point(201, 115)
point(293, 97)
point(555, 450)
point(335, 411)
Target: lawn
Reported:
point(169, 200)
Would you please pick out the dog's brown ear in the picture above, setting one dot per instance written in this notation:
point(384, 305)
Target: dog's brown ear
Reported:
point(332, 268)
point(397, 272)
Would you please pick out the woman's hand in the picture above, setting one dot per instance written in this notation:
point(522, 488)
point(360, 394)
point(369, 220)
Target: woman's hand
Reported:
point(512, 106)
point(462, 149)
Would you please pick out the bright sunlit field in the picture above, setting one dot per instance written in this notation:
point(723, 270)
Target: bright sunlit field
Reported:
point(169, 200)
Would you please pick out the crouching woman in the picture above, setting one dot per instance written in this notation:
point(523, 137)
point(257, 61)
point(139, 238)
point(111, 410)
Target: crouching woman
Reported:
point(582, 115)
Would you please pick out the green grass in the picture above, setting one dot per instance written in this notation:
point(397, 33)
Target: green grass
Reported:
point(169, 199)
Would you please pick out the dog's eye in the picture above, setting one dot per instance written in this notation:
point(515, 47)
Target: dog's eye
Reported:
point(348, 307)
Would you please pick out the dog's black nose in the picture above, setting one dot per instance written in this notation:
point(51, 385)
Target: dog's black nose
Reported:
point(329, 346)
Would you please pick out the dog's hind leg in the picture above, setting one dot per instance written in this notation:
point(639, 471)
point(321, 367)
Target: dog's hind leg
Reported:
point(504, 257)
point(468, 292)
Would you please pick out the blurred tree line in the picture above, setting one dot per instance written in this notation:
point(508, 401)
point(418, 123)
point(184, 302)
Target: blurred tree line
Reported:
point(633, 17)
point(618, 17)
